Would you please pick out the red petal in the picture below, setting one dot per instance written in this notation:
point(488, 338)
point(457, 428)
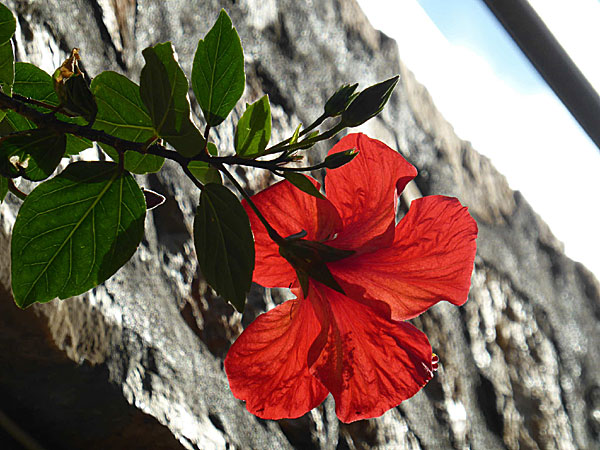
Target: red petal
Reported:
point(430, 260)
point(364, 192)
point(267, 365)
point(289, 211)
point(369, 362)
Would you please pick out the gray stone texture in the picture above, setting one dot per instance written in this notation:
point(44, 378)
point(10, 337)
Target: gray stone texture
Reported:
point(137, 362)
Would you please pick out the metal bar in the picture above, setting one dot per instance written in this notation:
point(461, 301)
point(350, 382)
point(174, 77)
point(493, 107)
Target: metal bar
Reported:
point(551, 61)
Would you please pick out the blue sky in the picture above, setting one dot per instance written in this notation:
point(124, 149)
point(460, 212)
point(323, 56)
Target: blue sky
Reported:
point(471, 24)
point(492, 96)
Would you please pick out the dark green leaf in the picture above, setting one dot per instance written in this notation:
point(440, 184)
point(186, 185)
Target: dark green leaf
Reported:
point(163, 89)
point(368, 103)
point(224, 244)
point(8, 24)
point(3, 188)
point(303, 183)
point(14, 122)
point(122, 113)
point(7, 68)
point(75, 231)
point(218, 77)
point(253, 131)
point(32, 154)
point(79, 98)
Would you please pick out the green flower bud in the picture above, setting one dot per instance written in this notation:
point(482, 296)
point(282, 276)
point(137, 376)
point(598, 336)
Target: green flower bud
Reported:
point(369, 103)
point(339, 101)
point(339, 159)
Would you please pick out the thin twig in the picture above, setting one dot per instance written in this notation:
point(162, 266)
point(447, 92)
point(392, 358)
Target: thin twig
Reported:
point(273, 234)
point(15, 190)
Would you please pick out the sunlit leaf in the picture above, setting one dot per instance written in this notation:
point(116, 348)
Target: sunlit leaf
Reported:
point(74, 231)
point(218, 76)
point(33, 154)
point(33, 82)
point(303, 183)
point(204, 172)
point(224, 244)
point(253, 131)
point(122, 113)
point(8, 24)
point(136, 162)
point(7, 68)
point(163, 89)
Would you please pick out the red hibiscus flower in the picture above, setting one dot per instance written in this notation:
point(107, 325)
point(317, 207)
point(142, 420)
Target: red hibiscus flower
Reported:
point(345, 333)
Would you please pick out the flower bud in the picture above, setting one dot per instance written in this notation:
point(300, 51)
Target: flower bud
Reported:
point(339, 101)
point(369, 103)
point(339, 159)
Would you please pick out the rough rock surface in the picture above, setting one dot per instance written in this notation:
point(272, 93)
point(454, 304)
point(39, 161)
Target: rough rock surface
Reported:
point(137, 362)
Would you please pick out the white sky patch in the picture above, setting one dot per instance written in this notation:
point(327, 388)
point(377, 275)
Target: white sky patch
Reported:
point(531, 138)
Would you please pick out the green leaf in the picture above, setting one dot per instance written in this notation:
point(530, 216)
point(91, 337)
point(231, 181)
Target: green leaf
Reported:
point(7, 68)
point(3, 188)
point(136, 162)
point(122, 113)
point(32, 154)
point(33, 82)
point(163, 89)
point(74, 231)
point(224, 244)
point(8, 24)
point(14, 122)
point(218, 77)
point(76, 145)
point(253, 131)
point(296, 135)
point(204, 172)
point(303, 183)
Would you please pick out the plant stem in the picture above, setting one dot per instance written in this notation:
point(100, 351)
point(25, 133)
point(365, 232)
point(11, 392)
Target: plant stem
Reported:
point(15, 190)
point(45, 105)
point(192, 177)
point(312, 126)
point(273, 234)
point(308, 142)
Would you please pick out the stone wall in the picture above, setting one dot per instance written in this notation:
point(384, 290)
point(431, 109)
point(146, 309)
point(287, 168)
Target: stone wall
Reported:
point(137, 362)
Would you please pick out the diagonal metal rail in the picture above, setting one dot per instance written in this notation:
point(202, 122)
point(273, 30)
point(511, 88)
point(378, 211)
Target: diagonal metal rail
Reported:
point(551, 61)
